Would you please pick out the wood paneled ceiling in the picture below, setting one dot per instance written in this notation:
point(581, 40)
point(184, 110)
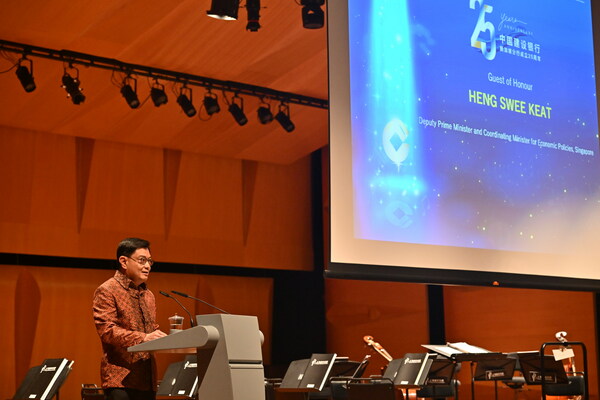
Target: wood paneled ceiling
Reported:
point(175, 35)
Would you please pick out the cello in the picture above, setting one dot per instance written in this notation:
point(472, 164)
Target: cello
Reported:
point(377, 347)
point(408, 395)
point(568, 364)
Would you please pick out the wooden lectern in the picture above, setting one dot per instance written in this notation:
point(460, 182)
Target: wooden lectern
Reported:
point(228, 349)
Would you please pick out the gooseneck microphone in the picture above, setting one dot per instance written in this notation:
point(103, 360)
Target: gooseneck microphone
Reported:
point(178, 302)
point(197, 299)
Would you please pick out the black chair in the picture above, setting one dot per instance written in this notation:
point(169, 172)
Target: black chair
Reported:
point(373, 389)
point(577, 382)
point(91, 391)
point(575, 387)
point(440, 391)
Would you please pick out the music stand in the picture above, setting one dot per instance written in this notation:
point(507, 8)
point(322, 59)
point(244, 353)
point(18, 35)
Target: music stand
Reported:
point(343, 367)
point(499, 368)
point(439, 379)
point(308, 375)
point(461, 351)
point(531, 367)
point(338, 383)
point(414, 370)
point(441, 372)
point(293, 375)
point(42, 382)
point(372, 388)
point(180, 379)
point(360, 370)
point(392, 369)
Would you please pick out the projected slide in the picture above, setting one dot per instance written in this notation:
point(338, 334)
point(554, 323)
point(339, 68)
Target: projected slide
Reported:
point(473, 122)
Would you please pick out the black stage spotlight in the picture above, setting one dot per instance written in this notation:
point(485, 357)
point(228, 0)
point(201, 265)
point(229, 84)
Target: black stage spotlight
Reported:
point(25, 75)
point(71, 85)
point(264, 113)
point(283, 117)
point(253, 9)
point(158, 95)
point(185, 102)
point(313, 16)
point(224, 9)
point(129, 92)
point(211, 104)
point(237, 110)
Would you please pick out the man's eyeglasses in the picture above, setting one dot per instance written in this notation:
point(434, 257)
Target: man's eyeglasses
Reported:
point(143, 260)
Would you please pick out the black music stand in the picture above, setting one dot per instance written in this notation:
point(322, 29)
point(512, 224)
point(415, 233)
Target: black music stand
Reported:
point(413, 370)
point(308, 375)
point(392, 369)
point(534, 367)
point(42, 382)
point(293, 375)
point(180, 379)
point(439, 381)
point(441, 372)
point(372, 388)
point(499, 368)
point(459, 352)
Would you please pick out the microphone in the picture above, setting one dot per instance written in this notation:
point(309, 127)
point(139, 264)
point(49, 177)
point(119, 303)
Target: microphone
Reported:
point(178, 302)
point(201, 301)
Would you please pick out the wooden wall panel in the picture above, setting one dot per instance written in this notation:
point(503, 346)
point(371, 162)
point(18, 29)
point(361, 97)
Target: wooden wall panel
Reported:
point(507, 320)
point(8, 284)
point(281, 220)
point(394, 313)
point(58, 322)
point(16, 151)
point(207, 202)
point(53, 194)
point(125, 190)
point(78, 197)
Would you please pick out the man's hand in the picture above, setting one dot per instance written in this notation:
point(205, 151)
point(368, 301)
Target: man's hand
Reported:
point(154, 335)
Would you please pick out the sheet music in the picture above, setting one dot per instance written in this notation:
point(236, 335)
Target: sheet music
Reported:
point(442, 349)
point(465, 347)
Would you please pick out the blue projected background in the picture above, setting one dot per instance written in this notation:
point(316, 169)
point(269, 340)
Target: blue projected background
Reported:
point(473, 122)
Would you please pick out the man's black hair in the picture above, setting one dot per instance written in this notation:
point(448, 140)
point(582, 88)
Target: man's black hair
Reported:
point(128, 246)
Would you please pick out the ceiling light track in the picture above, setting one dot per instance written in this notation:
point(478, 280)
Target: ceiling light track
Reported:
point(237, 88)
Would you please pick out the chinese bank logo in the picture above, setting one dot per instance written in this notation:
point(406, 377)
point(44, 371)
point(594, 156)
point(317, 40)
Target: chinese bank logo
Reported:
point(484, 28)
point(394, 139)
point(511, 36)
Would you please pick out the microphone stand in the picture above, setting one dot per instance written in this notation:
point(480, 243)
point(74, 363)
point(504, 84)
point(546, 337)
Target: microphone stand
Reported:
point(181, 305)
point(200, 300)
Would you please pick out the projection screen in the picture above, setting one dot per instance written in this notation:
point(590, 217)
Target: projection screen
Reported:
point(464, 142)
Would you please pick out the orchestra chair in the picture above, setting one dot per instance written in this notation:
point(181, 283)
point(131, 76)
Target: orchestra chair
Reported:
point(271, 393)
point(575, 387)
point(364, 389)
point(577, 384)
point(440, 391)
point(91, 391)
point(337, 385)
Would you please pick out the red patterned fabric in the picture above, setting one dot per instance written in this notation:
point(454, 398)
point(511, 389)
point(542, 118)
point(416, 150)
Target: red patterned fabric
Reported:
point(124, 314)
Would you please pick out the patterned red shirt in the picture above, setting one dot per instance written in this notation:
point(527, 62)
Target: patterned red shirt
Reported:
point(124, 314)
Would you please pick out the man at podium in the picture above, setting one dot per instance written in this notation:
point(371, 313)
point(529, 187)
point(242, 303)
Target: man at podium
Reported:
point(124, 311)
